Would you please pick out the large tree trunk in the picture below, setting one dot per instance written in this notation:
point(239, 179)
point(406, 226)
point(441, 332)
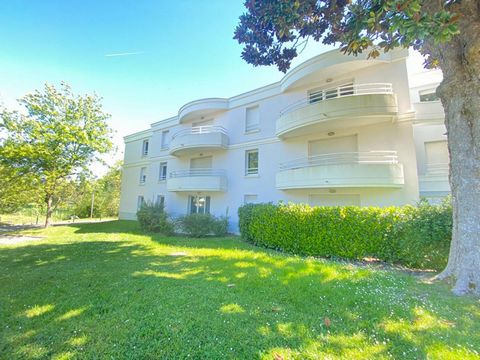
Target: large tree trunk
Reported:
point(460, 94)
point(48, 217)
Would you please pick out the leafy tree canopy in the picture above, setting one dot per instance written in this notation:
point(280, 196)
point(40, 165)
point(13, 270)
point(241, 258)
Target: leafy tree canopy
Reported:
point(57, 136)
point(273, 31)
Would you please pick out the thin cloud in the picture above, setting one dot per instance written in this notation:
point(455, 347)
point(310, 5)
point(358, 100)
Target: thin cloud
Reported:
point(125, 54)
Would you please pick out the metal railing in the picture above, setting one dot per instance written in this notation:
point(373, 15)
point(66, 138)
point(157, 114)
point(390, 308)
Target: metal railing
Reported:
point(370, 157)
point(206, 129)
point(339, 91)
point(197, 172)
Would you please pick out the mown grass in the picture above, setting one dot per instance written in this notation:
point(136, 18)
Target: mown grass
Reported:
point(105, 290)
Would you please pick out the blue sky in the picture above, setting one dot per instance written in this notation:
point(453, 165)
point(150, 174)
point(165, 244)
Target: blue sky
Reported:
point(183, 50)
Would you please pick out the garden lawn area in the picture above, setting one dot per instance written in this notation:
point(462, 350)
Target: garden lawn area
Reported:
point(106, 290)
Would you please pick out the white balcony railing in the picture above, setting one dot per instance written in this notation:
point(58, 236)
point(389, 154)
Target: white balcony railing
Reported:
point(370, 157)
point(340, 91)
point(206, 129)
point(197, 172)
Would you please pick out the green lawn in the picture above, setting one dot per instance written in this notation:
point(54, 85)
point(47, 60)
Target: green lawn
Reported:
point(105, 290)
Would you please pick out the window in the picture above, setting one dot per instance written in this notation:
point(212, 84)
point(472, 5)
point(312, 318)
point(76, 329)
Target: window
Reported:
point(437, 157)
point(251, 162)
point(199, 204)
point(202, 123)
point(143, 175)
point(160, 201)
point(333, 145)
point(145, 148)
point(162, 174)
point(252, 119)
point(201, 163)
point(428, 95)
point(165, 139)
point(140, 202)
point(250, 199)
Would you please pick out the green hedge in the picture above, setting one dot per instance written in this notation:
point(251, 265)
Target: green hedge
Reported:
point(201, 225)
point(417, 237)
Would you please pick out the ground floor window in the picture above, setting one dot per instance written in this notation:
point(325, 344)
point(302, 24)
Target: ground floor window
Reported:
point(250, 199)
point(160, 201)
point(199, 204)
point(140, 202)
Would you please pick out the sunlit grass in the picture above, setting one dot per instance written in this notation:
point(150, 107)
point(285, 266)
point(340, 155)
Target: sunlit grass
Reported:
point(106, 290)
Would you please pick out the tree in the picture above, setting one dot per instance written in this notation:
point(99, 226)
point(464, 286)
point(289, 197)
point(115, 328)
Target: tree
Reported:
point(446, 32)
point(16, 191)
point(57, 137)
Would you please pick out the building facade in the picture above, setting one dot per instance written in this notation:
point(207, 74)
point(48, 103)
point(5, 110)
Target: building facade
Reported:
point(336, 130)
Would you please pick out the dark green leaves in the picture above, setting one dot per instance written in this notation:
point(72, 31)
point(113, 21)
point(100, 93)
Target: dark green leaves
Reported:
point(273, 30)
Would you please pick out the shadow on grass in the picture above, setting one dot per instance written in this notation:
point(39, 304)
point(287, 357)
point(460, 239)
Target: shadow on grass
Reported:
point(213, 299)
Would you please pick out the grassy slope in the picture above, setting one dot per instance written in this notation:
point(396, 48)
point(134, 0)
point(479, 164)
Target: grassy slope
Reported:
point(106, 291)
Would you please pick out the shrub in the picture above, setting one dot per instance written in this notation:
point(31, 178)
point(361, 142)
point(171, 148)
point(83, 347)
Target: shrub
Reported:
point(424, 237)
point(414, 236)
point(153, 218)
point(201, 225)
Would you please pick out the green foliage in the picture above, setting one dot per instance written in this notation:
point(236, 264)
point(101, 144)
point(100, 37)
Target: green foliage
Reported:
point(106, 192)
point(57, 137)
point(201, 225)
point(273, 31)
point(414, 236)
point(424, 236)
point(152, 217)
point(17, 191)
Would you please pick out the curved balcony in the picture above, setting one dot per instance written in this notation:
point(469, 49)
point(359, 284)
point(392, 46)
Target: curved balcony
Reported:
point(338, 108)
point(374, 169)
point(204, 138)
point(201, 108)
point(197, 180)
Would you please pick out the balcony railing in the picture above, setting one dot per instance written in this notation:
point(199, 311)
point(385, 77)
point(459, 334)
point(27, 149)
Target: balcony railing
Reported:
point(370, 157)
point(340, 91)
point(206, 129)
point(197, 172)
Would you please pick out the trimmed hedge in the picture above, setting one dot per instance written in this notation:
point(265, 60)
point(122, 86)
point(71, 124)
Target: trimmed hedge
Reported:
point(201, 225)
point(415, 236)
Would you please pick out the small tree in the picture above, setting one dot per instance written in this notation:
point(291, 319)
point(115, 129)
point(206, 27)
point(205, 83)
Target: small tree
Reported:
point(445, 31)
point(59, 135)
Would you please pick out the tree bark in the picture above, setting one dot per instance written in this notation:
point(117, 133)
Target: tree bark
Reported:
point(459, 91)
point(48, 217)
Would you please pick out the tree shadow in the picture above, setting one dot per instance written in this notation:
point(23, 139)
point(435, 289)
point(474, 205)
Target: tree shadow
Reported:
point(214, 298)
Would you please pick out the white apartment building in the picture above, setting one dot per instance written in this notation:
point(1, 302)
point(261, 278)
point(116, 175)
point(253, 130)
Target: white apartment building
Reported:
point(336, 130)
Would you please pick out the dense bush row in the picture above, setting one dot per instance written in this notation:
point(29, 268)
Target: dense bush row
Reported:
point(154, 218)
point(415, 236)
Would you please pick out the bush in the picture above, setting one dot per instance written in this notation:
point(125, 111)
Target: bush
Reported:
point(414, 236)
point(201, 225)
point(424, 236)
point(153, 218)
